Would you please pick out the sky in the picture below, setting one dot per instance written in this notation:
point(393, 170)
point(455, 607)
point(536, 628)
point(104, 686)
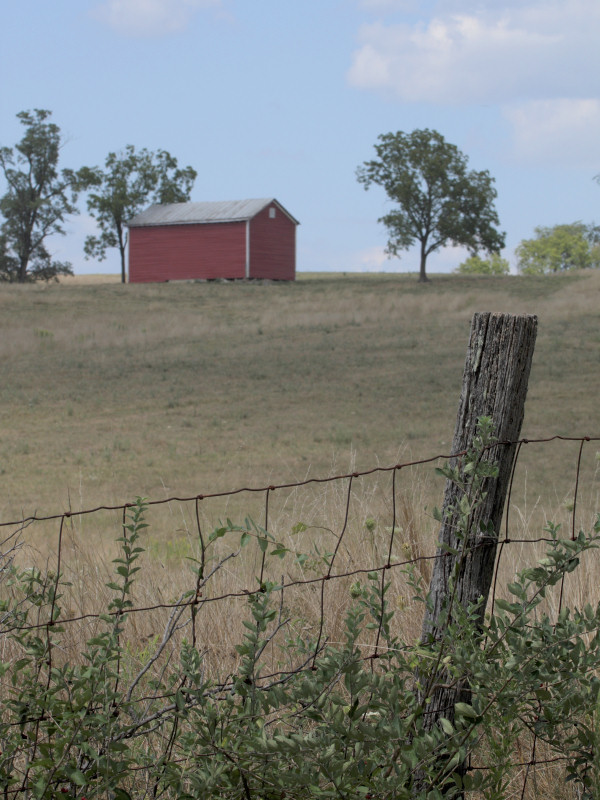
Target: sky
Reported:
point(272, 98)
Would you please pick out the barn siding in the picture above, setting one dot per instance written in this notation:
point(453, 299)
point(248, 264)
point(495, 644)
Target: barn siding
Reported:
point(273, 245)
point(187, 252)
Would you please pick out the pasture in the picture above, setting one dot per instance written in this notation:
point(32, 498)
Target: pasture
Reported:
point(110, 391)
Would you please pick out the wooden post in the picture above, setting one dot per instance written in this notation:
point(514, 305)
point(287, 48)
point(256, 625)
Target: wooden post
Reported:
point(495, 381)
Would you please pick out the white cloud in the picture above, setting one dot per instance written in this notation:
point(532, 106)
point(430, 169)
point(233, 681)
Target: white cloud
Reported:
point(565, 130)
point(446, 259)
point(494, 54)
point(389, 5)
point(150, 17)
point(373, 259)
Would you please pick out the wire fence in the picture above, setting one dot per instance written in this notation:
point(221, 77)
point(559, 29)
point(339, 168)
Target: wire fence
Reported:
point(207, 558)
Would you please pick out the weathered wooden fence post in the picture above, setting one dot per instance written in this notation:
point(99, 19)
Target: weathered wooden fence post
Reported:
point(495, 381)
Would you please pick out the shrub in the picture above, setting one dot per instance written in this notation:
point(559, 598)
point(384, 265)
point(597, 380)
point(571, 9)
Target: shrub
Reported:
point(494, 264)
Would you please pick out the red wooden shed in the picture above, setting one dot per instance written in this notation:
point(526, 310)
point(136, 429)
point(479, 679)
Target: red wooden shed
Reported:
point(193, 241)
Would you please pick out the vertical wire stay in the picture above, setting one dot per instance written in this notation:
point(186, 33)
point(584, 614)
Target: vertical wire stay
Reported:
point(506, 539)
point(267, 495)
point(573, 516)
point(576, 490)
point(387, 564)
point(344, 527)
point(328, 575)
point(199, 572)
point(49, 646)
point(264, 552)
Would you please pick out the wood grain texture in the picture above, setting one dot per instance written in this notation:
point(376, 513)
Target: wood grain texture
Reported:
point(496, 375)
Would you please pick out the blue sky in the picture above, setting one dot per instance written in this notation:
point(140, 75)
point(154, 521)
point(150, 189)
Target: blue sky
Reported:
point(271, 98)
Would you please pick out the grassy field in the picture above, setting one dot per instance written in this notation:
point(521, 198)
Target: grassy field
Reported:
point(113, 391)
point(109, 392)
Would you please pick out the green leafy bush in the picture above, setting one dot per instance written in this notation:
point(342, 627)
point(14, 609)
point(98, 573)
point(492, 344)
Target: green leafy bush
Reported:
point(494, 264)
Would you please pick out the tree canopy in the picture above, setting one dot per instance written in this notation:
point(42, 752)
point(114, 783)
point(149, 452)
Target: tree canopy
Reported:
point(38, 199)
point(559, 248)
point(494, 264)
point(129, 182)
point(438, 200)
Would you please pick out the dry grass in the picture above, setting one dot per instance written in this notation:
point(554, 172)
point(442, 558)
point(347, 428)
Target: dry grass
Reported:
point(308, 520)
point(362, 521)
point(89, 280)
point(114, 391)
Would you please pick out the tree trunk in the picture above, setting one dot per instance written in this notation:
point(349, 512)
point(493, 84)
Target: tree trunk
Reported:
point(23, 264)
point(422, 273)
point(495, 381)
point(122, 254)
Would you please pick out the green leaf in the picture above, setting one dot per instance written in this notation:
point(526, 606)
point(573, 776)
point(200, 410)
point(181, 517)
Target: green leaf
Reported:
point(504, 605)
point(77, 777)
point(447, 726)
point(218, 533)
point(465, 710)
point(299, 527)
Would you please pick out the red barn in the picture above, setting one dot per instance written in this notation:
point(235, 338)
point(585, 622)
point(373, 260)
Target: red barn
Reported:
point(192, 241)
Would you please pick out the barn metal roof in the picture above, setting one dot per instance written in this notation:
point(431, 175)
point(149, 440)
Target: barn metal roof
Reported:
point(186, 213)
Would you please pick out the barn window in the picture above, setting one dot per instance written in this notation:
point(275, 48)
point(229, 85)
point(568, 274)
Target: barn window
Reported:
point(271, 213)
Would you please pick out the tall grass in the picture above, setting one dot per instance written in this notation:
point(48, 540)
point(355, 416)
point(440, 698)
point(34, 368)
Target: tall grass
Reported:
point(375, 526)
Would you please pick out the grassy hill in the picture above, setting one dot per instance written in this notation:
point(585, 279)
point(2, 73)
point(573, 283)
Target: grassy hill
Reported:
point(112, 391)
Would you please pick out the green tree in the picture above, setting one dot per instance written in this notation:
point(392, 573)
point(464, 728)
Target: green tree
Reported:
point(439, 201)
point(559, 248)
point(9, 264)
point(494, 264)
point(128, 183)
point(593, 237)
point(38, 199)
